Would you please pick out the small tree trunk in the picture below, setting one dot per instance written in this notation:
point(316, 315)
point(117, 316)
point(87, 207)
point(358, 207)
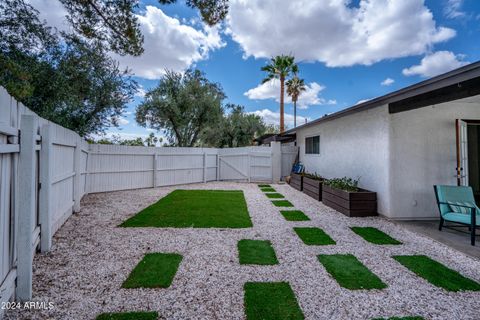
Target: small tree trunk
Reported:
point(282, 90)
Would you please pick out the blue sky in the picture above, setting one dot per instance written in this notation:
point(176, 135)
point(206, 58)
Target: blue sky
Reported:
point(346, 49)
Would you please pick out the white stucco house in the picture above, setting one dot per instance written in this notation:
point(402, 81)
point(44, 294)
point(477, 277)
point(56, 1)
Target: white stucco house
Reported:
point(403, 143)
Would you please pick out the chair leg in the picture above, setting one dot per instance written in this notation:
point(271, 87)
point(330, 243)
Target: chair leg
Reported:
point(441, 224)
point(473, 228)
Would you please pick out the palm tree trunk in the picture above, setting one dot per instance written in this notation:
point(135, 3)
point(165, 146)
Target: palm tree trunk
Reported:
point(295, 113)
point(282, 91)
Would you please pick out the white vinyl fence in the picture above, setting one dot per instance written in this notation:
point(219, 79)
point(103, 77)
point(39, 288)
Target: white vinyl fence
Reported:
point(45, 170)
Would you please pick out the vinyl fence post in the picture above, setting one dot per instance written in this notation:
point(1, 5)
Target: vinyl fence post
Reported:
point(77, 193)
point(276, 161)
point(27, 206)
point(155, 159)
point(249, 161)
point(204, 167)
point(218, 167)
point(45, 191)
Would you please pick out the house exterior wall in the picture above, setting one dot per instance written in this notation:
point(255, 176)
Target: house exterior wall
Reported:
point(355, 146)
point(423, 153)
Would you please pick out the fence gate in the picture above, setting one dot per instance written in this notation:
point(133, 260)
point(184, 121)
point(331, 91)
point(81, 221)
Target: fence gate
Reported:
point(245, 164)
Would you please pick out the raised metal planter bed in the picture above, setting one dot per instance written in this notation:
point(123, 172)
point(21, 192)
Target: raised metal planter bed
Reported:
point(296, 181)
point(362, 203)
point(312, 188)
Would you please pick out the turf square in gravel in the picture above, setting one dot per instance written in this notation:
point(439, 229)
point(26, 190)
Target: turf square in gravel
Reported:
point(282, 203)
point(195, 209)
point(268, 189)
point(313, 236)
point(264, 186)
point(437, 274)
point(128, 316)
point(294, 215)
point(271, 301)
point(274, 195)
point(349, 272)
point(375, 236)
point(256, 252)
point(156, 270)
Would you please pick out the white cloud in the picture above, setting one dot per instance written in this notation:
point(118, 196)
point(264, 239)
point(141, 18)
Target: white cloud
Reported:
point(53, 12)
point(453, 9)
point(387, 82)
point(271, 117)
point(271, 90)
point(141, 92)
point(169, 44)
point(334, 32)
point(435, 64)
point(122, 121)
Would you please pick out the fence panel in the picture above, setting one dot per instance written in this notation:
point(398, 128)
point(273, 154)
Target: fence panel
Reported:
point(289, 154)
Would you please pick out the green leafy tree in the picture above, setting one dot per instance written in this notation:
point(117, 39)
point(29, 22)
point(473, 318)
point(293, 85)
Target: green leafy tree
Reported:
point(237, 129)
point(295, 87)
point(280, 67)
point(61, 77)
point(184, 105)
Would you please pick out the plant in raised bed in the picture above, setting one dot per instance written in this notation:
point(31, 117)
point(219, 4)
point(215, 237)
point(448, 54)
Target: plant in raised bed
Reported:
point(312, 185)
point(344, 195)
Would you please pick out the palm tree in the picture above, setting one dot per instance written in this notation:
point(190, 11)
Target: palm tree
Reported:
point(295, 86)
point(280, 67)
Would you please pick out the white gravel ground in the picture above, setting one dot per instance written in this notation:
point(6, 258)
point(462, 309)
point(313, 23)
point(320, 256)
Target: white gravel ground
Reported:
point(91, 258)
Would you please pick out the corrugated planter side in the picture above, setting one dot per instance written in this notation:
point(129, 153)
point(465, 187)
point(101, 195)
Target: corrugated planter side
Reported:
point(312, 188)
point(362, 203)
point(296, 181)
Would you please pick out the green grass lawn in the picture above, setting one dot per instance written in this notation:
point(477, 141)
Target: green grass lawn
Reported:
point(314, 236)
point(282, 203)
point(349, 272)
point(294, 215)
point(373, 235)
point(267, 189)
point(156, 270)
point(256, 252)
point(437, 274)
point(264, 186)
point(128, 316)
point(196, 209)
point(274, 195)
point(271, 301)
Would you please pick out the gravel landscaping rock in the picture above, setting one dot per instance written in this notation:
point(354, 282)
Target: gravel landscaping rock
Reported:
point(91, 257)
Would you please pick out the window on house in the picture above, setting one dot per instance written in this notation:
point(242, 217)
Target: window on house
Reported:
point(312, 145)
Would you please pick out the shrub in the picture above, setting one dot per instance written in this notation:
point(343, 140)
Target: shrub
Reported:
point(346, 184)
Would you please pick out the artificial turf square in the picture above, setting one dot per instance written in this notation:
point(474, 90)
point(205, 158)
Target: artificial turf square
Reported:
point(274, 195)
point(373, 235)
point(156, 270)
point(271, 301)
point(313, 236)
point(195, 209)
point(256, 252)
point(437, 274)
point(264, 186)
point(268, 189)
point(128, 316)
point(294, 215)
point(349, 272)
point(282, 203)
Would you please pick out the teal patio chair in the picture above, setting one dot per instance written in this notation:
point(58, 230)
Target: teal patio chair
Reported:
point(457, 204)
